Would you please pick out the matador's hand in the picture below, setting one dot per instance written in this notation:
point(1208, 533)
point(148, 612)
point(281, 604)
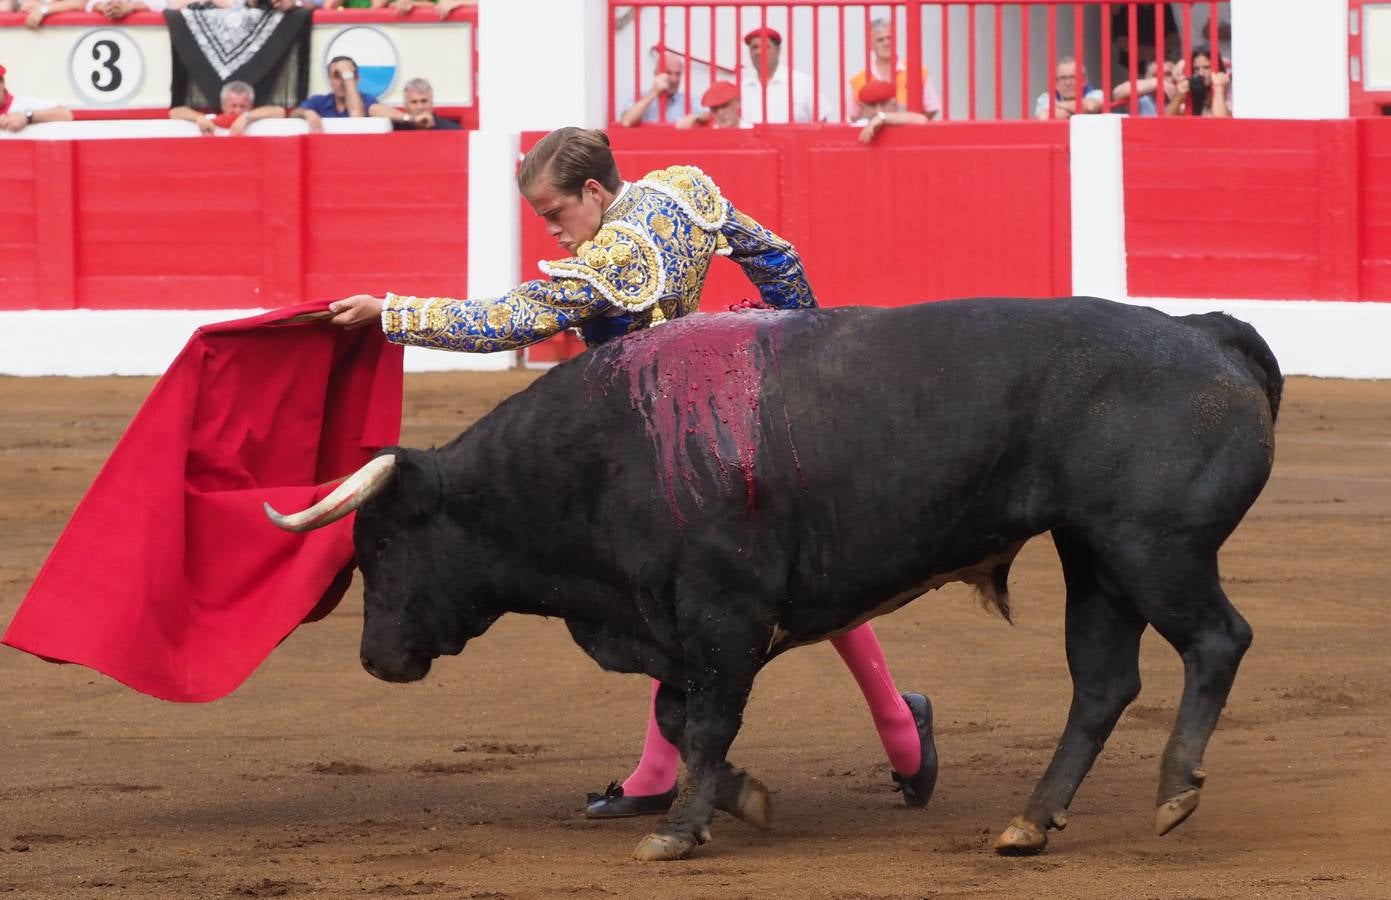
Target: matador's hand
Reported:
point(356, 311)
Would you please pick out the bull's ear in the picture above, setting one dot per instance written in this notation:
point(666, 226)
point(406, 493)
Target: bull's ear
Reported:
point(418, 487)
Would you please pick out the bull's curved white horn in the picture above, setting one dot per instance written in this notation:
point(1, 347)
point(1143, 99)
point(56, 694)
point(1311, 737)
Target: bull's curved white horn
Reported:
point(359, 487)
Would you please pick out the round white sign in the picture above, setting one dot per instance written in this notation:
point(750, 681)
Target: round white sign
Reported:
point(106, 67)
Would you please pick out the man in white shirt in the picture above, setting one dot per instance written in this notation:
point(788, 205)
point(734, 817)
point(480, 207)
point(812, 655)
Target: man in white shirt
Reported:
point(763, 70)
point(18, 113)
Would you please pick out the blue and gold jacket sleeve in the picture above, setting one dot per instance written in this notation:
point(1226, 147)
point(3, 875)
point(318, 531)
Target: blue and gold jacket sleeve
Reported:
point(619, 268)
point(528, 313)
point(770, 262)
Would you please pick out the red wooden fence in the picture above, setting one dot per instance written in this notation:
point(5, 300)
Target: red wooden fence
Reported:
point(1259, 209)
point(225, 223)
point(923, 214)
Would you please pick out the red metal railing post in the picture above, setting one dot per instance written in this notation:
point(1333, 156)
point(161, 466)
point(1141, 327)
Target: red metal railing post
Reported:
point(971, 62)
point(613, 69)
point(1106, 55)
point(840, 68)
point(661, 65)
point(1025, 14)
point(816, 63)
point(946, 63)
point(1053, 63)
point(999, 63)
point(913, 24)
point(791, 40)
point(1132, 21)
point(1079, 100)
point(637, 53)
point(686, 92)
point(1161, 18)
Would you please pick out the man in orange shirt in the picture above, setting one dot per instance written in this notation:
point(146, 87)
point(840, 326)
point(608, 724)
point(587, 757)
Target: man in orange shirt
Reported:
point(885, 68)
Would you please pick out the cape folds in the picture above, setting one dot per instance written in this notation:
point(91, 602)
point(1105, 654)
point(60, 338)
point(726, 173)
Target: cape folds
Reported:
point(169, 577)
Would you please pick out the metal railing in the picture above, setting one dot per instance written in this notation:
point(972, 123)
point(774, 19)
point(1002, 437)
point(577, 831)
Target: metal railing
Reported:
point(989, 60)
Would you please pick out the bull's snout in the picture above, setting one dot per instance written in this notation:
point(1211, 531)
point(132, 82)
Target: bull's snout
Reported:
point(399, 672)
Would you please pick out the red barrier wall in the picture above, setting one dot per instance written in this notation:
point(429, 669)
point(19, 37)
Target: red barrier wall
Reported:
point(1258, 209)
point(226, 223)
point(924, 214)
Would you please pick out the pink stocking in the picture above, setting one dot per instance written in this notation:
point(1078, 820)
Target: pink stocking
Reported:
point(862, 655)
point(656, 771)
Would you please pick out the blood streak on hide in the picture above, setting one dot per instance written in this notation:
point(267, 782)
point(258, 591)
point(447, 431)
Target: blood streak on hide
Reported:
point(698, 381)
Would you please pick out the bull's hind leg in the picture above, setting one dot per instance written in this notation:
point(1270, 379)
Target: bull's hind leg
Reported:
point(704, 727)
point(1103, 650)
point(1195, 616)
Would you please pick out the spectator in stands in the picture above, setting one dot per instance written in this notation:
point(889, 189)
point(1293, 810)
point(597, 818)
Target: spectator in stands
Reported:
point(664, 92)
point(764, 71)
point(1067, 75)
point(119, 9)
point(1145, 89)
point(883, 67)
point(1208, 91)
point(721, 102)
point(345, 99)
point(401, 7)
point(237, 111)
point(38, 10)
point(420, 109)
point(878, 100)
point(18, 113)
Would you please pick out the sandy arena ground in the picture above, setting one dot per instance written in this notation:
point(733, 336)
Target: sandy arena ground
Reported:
point(316, 780)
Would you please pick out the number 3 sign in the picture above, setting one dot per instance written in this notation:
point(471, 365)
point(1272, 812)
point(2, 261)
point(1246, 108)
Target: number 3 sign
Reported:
point(106, 67)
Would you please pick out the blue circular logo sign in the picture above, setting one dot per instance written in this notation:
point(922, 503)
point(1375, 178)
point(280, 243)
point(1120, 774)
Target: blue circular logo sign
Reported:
point(375, 55)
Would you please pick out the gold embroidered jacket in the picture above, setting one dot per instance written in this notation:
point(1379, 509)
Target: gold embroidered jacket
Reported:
point(647, 264)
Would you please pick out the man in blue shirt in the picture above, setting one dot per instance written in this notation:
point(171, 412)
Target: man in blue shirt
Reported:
point(345, 101)
point(664, 92)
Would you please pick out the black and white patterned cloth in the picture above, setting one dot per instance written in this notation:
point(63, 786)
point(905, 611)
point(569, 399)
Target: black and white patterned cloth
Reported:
point(231, 38)
point(264, 47)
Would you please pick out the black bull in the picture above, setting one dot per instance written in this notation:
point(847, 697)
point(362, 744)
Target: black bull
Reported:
point(696, 499)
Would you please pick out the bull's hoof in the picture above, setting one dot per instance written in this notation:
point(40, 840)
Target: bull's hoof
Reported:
point(1173, 811)
point(658, 847)
point(754, 806)
point(1021, 838)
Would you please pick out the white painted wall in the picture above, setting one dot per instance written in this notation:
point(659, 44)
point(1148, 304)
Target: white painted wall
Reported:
point(542, 91)
point(1290, 59)
point(1309, 337)
point(86, 342)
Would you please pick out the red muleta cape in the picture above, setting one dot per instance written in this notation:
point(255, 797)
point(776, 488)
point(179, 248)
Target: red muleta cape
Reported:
point(169, 577)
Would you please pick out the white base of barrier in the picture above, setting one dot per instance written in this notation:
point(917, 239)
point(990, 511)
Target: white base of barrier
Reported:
point(1310, 337)
point(145, 342)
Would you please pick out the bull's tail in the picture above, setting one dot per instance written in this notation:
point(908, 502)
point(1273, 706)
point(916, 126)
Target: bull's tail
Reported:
point(1240, 336)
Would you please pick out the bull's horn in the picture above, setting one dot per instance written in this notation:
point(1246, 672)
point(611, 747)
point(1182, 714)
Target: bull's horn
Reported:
point(359, 487)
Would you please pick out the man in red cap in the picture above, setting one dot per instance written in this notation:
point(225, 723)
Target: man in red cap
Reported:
point(879, 104)
point(18, 113)
point(721, 102)
point(764, 75)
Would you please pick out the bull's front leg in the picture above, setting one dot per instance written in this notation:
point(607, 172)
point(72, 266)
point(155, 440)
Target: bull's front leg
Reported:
point(713, 713)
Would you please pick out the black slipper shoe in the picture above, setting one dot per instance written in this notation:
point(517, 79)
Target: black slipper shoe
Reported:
point(614, 804)
point(917, 789)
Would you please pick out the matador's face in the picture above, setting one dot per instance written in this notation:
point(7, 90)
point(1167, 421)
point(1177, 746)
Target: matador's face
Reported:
point(571, 219)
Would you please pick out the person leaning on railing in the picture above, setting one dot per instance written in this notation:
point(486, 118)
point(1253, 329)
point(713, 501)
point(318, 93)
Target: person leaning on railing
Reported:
point(18, 113)
point(401, 7)
point(878, 102)
point(1065, 105)
point(237, 111)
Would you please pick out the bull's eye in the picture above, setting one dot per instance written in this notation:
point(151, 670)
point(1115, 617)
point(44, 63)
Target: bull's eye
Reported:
point(381, 544)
